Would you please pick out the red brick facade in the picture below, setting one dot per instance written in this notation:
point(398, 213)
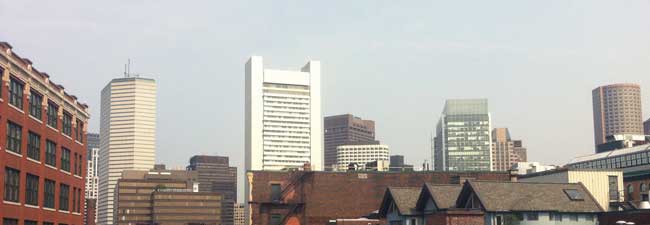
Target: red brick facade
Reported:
point(20, 70)
point(636, 184)
point(316, 197)
point(639, 217)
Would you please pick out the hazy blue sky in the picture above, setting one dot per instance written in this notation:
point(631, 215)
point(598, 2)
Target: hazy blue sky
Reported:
point(536, 62)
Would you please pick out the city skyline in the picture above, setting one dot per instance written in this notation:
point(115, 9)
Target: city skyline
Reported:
point(553, 73)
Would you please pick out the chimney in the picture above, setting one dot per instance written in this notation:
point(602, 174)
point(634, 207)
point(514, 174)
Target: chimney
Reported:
point(513, 175)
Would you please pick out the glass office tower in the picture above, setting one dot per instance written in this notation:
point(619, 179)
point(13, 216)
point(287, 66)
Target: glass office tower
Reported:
point(463, 136)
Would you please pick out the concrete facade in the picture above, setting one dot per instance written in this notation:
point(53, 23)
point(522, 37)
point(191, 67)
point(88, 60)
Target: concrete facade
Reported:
point(43, 130)
point(646, 127)
point(344, 129)
point(127, 136)
point(504, 153)
point(216, 175)
point(360, 154)
point(617, 110)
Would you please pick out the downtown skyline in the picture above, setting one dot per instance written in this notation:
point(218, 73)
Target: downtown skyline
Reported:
point(547, 99)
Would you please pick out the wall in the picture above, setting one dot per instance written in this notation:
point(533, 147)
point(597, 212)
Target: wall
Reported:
point(543, 219)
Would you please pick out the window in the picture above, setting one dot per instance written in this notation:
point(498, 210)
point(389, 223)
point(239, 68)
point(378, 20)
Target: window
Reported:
point(74, 199)
point(35, 105)
point(80, 131)
point(573, 217)
point(30, 222)
point(76, 161)
point(64, 197)
point(34, 146)
point(50, 153)
point(12, 184)
point(574, 195)
point(14, 136)
point(52, 113)
point(413, 222)
point(48, 223)
point(643, 192)
point(80, 164)
point(589, 217)
point(79, 200)
point(65, 159)
point(48, 200)
point(67, 124)
point(555, 216)
point(532, 216)
point(31, 191)
point(7, 221)
point(275, 219)
point(630, 191)
point(275, 192)
point(613, 188)
point(16, 93)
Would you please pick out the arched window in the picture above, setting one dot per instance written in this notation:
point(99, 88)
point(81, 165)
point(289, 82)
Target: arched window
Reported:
point(630, 190)
point(643, 192)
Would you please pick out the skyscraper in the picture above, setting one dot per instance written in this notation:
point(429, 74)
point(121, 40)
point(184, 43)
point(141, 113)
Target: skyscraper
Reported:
point(342, 129)
point(504, 152)
point(646, 127)
point(463, 138)
point(617, 110)
point(92, 180)
point(283, 117)
point(216, 175)
point(127, 135)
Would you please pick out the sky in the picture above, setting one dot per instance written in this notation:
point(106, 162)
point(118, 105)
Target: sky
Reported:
point(394, 62)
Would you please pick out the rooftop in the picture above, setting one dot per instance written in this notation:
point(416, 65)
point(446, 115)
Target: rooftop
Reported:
point(603, 155)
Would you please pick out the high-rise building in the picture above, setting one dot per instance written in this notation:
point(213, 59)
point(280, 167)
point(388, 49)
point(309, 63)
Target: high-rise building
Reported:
point(361, 153)
point(284, 127)
point(44, 146)
point(216, 175)
point(505, 151)
point(397, 164)
point(127, 134)
point(463, 138)
point(239, 214)
point(646, 127)
point(92, 180)
point(164, 197)
point(617, 110)
point(342, 129)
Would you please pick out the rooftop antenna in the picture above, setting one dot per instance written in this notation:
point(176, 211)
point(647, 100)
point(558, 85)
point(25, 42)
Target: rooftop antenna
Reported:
point(127, 69)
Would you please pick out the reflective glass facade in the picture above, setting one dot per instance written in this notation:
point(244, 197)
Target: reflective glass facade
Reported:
point(463, 137)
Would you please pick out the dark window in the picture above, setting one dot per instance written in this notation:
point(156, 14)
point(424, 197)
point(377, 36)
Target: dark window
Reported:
point(80, 130)
point(74, 199)
point(275, 192)
point(8, 221)
point(630, 191)
point(589, 217)
point(79, 200)
point(2, 70)
point(275, 219)
point(613, 188)
point(555, 216)
point(30, 222)
point(12, 184)
point(64, 197)
point(52, 113)
point(65, 159)
point(643, 192)
point(14, 136)
point(75, 164)
point(573, 217)
point(50, 153)
point(67, 124)
point(574, 194)
point(31, 191)
point(16, 93)
point(532, 216)
point(35, 105)
point(48, 223)
point(34, 146)
point(48, 200)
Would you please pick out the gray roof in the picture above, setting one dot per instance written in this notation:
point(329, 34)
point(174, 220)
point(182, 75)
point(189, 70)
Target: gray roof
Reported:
point(444, 195)
point(509, 196)
point(405, 198)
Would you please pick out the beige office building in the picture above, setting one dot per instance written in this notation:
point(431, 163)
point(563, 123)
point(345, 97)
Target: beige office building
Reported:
point(165, 197)
point(617, 110)
point(505, 151)
point(127, 136)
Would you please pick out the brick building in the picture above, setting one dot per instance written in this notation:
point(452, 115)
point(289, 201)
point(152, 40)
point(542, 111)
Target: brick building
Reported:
point(90, 215)
point(43, 134)
point(310, 197)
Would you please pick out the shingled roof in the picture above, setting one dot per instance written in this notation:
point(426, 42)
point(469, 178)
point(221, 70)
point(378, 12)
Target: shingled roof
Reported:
point(405, 199)
point(513, 196)
point(443, 195)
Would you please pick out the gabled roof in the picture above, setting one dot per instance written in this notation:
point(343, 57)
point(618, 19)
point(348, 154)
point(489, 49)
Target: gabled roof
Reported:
point(443, 195)
point(513, 196)
point(405, 199)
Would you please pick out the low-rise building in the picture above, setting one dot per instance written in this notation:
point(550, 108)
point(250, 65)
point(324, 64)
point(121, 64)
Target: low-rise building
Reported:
point(606, 186)
point(164, 197)
point(315, 198)
point(360, 153)
point(530, 203)
point(523, 168)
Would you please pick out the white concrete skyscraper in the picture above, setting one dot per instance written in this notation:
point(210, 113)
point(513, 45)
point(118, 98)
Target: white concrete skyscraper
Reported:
point(284, 127)
point(127, 136)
